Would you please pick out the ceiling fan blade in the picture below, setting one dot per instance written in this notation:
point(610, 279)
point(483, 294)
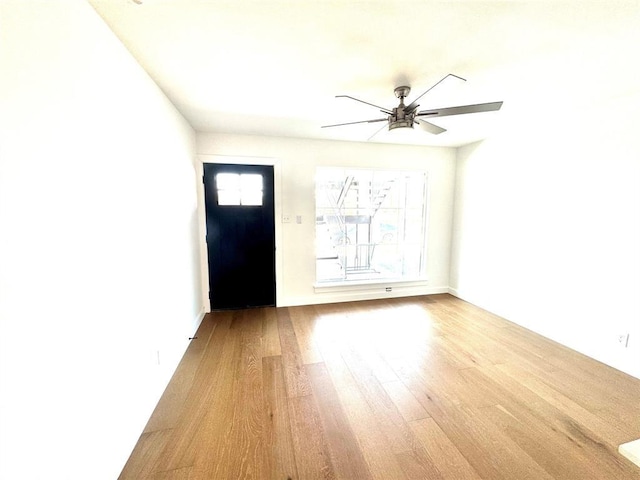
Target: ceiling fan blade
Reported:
point(431, 128)
point(385, 110)
point(413, 105)
point(353, 123)
point(477, 108)
point(376, 132)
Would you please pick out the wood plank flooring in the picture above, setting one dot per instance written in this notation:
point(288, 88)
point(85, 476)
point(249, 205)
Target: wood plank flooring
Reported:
point(415, 388)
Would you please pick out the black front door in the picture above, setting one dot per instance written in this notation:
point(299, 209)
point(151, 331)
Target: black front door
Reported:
point(240, 235)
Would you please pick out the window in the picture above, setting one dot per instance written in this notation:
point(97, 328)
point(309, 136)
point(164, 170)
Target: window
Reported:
point(370, 224)
point(239, 189)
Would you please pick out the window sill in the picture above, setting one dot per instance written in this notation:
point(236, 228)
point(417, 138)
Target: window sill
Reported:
point(364, 285)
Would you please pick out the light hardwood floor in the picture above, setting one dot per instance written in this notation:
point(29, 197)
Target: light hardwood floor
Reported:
point(416, 388)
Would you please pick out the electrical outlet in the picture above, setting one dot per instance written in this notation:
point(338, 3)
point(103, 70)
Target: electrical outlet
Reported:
point(388, 289)
point(624, 340)
point(286, 218)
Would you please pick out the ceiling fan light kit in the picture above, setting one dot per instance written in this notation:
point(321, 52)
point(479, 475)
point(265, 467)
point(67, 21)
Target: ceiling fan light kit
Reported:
point(406, 123)
point(406, 116)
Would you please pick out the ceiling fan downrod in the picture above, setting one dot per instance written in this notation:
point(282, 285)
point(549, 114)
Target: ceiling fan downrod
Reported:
point(399, 118)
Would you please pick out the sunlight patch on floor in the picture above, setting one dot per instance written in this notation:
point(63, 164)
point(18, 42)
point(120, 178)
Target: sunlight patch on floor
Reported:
point(631, 450)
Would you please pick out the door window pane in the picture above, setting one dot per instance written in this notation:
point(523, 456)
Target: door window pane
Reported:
point(251, 182)
point(251, 197)
point(228, 197)
point(239, 189)
point(228, 181)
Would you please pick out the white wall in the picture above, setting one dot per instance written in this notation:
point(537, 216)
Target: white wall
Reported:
point(296, 163)
point(547, 226)
point(99, 261)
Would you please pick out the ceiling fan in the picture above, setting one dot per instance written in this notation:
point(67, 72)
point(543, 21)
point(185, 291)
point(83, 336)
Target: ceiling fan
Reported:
point(406, 116)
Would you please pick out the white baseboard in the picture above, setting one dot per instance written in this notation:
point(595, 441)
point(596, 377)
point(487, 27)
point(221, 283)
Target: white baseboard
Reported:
point(628, 365)
point(454, 292)
point(198, 320)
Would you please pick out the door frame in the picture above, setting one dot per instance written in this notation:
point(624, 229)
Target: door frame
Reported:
point(202, 217)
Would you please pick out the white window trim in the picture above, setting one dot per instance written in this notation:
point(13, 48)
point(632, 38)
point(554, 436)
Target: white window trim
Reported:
point(346, 285)
point(355, 285)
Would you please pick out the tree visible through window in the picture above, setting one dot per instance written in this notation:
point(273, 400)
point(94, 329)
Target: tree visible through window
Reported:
point(370, 224)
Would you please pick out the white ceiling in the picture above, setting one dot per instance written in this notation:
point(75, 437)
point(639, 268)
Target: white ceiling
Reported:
point(274, 68)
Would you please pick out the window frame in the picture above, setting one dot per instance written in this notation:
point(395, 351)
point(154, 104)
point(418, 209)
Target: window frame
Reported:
point(405, 280)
